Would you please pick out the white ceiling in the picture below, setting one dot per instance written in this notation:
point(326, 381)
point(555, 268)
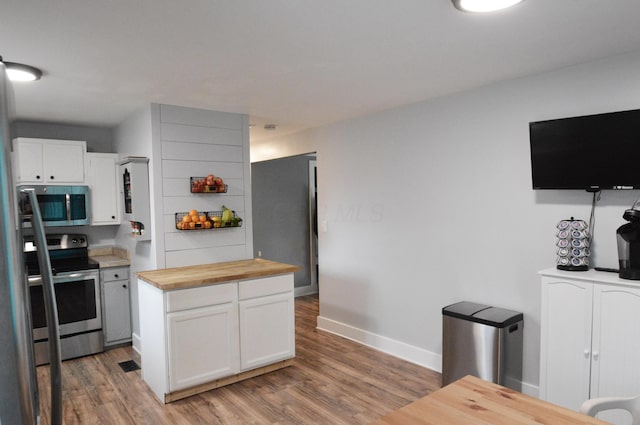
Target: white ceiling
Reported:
point(295, 63)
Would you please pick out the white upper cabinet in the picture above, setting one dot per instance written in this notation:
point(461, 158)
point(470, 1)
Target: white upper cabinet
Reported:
point(102, 178)
point(49, 161)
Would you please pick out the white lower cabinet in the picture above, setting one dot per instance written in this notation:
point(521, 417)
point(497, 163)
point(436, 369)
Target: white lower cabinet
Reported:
point(267, 331)
point(590, 339)
point(192, 337)
point(116, 307)
point(202, 344)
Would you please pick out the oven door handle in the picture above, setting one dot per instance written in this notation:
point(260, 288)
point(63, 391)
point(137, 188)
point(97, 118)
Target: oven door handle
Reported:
point(74, 276)
point(51, 308)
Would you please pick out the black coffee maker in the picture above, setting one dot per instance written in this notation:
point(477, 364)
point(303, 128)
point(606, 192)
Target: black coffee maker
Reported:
point(628, 236)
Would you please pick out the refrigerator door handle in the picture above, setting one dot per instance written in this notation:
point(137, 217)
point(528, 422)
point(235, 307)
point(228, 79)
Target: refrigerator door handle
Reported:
point(51, 308)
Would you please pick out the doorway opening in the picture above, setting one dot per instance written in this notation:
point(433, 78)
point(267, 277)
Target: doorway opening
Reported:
point(285, 229)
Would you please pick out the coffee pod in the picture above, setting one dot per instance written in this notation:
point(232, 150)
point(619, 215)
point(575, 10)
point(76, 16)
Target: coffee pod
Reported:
point(563, 243)
point(580, 252)
point(580, 234)
point(579, 225)
point(563, 234)
point(563, 252)
point(563, 261)
point(564, 224)
point(579, 261)
point(580, 243)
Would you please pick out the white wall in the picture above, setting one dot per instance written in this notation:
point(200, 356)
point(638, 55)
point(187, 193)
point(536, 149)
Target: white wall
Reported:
point(183, 142)
point(431, 204)
point(133, 138)
point(196, 143)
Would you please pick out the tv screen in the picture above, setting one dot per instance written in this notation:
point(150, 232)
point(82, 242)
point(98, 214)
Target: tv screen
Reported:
point(591, 152)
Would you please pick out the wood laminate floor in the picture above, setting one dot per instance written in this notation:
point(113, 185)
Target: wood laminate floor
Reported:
point(332, 381)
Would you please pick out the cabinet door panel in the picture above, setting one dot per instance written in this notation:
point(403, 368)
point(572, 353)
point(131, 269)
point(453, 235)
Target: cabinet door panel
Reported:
point(117, 326)
point(64, 163)
point(29, 157)
point(203, 345)
point(102, 178)
point(616, 342)
point(267, 331)
point(565, 344)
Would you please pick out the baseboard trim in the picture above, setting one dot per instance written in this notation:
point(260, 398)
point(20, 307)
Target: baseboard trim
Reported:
point(399, 349)
point(136, 344)
point(304, 290)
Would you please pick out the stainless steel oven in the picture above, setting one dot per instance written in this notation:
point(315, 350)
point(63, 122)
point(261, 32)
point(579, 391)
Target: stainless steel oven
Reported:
point(77, 291)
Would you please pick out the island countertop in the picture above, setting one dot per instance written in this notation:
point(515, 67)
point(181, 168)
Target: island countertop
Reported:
point(208, 274)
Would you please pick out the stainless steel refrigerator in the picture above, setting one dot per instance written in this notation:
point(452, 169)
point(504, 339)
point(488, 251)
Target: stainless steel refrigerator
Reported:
point(19, 403)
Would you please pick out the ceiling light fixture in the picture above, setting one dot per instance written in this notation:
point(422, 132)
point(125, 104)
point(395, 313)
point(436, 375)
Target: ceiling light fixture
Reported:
point(483, 6)
point(21, 72)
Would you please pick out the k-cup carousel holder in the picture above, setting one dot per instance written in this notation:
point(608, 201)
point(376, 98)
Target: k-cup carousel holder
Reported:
point(573, 242)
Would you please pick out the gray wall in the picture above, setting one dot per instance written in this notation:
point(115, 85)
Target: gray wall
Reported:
point(99, 139)
point(281, 213)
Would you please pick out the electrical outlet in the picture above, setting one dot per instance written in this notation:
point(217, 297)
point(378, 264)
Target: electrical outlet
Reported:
point(259, 255)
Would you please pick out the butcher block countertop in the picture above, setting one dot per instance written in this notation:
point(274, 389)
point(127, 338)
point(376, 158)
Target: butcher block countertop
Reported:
point(472, 401)
point(207, 274)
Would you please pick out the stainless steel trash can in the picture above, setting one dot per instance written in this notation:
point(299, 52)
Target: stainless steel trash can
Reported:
point(482, 341)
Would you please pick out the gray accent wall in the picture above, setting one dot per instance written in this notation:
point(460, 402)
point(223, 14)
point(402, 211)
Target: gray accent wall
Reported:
point(99, 139)
point(280, 190)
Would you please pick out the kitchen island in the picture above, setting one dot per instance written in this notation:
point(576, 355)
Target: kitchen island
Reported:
point(211, 325)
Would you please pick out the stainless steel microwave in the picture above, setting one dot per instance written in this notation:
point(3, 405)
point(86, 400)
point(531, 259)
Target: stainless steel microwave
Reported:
point(59, 205)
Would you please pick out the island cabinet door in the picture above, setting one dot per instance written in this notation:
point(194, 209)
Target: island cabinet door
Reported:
point(267, 331)
point(203, 345)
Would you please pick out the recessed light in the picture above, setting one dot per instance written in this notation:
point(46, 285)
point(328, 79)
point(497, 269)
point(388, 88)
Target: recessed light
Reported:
point(483, 6)
point(21, 72)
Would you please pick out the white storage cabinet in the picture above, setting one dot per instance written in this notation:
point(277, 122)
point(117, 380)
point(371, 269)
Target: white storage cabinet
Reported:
point(590, 340)
point(267, 325)
point(197, 335)
point(135, 196)
point(202, 336)
point(49, 161)
point(116, 305)
point(102, 179)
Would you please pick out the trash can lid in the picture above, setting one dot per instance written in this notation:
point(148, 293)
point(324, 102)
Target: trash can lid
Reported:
point(497, 317)
point(463, 309)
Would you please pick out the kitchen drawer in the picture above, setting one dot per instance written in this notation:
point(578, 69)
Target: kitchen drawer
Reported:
point(115, 273)
point(254, 288)
point(185, 299)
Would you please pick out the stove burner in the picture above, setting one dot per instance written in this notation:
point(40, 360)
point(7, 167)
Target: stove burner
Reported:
point(68, 253)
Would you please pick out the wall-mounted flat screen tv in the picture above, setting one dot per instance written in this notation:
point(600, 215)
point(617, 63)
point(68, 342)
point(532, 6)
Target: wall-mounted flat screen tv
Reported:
point(591, 152)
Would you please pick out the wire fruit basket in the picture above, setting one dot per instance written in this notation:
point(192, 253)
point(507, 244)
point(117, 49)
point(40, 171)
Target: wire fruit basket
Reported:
point(206, 220)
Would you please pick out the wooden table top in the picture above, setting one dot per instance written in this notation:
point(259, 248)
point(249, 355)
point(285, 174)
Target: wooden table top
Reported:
point(207, 274)
point(472, 401)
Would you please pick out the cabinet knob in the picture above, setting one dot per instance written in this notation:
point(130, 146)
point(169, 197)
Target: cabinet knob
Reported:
point(586, 353)
point(52, 177)
point(596, 355)
point(124, 286)
point(37, 177)
point(113, 217)
point(116, 276)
